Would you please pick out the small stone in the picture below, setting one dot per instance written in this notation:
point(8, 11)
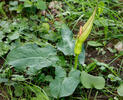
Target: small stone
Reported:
point(52, 4)
point(119, 46)
point(55, 5)
point(43, 12)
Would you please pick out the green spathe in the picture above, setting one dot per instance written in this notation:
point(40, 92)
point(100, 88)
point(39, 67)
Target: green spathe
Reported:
point(85, 31)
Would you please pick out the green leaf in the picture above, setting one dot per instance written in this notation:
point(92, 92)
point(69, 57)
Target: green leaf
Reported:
point(4, 48)
point(91, 67)
point(18, 90)
point(60, 72)
point(32, 56)
point(66, 45)
point(3, 80)
point(94, 43)
point(45, 27)
point(28, 3)
point(1, 36)
point(13, 3)
point(41, 5)
point(62, 87)
point(48, 78)
point(14, 6)
point(55, 87)
point(14, 35)
point(18, 78)
point(6, 26)
point(40, 94)
point(101, 22)
point(19, 8)
point(75, 74)
point(113, 78)
point(1, 9)
point(120, 89)
point(69, 85)
point(50, 35)
point(90, 81)
point(100, 7)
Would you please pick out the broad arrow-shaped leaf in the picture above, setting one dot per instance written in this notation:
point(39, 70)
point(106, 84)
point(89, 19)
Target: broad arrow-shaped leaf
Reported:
point(32, 57)
point(66, 45)
point(90, 81)
point(64, 86)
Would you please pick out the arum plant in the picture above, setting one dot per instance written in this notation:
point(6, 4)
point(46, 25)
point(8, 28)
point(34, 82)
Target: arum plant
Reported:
point(83, 34)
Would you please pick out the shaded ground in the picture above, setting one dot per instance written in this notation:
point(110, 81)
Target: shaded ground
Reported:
point(106, 58)
point(1, 62)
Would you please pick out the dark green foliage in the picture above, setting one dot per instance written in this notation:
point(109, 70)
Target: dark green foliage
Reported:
point(37, 50)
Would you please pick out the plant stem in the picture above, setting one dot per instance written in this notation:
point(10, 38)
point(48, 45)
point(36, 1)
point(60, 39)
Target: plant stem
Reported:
point(76, 61)
point(89, 93)
point(96, 95)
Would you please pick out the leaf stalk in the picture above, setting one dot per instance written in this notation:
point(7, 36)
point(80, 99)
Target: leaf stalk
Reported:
point(76, 61)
